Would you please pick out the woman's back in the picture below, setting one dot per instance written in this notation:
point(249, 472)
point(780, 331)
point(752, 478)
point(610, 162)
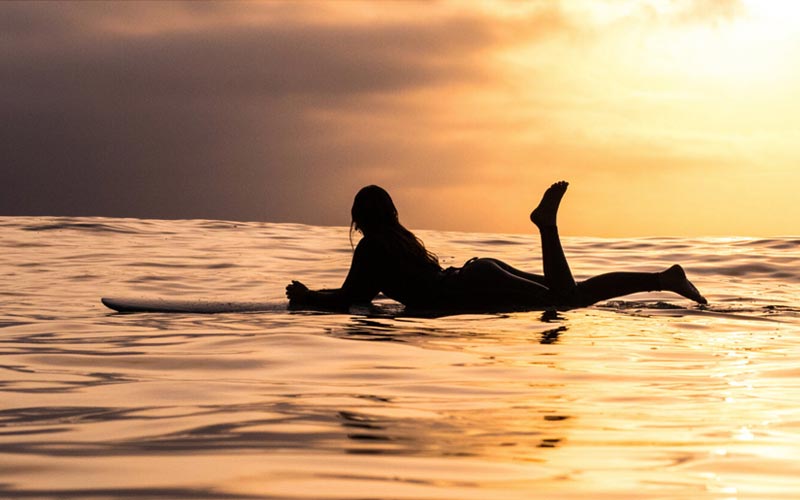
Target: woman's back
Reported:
point(385, 265)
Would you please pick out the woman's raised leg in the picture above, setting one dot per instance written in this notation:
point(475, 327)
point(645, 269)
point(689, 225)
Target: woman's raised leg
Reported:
point(556, 269)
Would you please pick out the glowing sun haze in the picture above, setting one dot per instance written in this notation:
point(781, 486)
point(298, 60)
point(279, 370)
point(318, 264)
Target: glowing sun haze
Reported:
point(668, 117)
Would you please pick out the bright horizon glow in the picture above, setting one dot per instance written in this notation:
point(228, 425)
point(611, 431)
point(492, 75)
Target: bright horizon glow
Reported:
point(667, 117)
point(666, 121)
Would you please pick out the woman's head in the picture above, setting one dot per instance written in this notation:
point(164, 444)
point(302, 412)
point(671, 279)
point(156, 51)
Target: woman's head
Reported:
point(375, 215)
point(373, 210)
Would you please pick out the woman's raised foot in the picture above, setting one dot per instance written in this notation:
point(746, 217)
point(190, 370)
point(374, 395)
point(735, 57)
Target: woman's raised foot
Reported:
point(545, 214)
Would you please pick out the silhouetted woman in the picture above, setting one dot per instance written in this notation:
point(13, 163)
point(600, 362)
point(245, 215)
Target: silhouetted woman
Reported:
point(391, 260)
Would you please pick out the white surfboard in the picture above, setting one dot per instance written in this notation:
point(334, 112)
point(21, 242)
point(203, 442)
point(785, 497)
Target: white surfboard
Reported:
point(189, 306)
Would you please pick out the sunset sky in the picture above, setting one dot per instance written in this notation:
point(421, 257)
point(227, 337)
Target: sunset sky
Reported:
point(670, 118)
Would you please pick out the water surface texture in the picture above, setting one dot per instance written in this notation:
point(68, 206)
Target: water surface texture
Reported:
point(645, 397)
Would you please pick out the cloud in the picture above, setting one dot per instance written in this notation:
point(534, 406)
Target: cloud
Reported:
point(708, 11)
point(280, 111)
point(655, 13)
point(214, 109)
point(241, 60)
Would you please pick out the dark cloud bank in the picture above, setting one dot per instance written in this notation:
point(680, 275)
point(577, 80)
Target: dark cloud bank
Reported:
point(214, 121)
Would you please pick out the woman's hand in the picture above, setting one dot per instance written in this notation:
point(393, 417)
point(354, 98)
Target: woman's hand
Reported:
point(296, 292)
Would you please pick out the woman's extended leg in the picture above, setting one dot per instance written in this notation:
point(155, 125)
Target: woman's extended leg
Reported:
point(611, 285)
point(488, 283)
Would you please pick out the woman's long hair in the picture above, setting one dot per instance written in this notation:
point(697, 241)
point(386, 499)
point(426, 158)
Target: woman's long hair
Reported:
point(375, 215)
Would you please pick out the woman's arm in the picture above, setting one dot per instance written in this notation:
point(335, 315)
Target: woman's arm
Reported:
point(360, 286)
point(300, 296)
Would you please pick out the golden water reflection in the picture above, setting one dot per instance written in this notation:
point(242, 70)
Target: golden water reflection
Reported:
point(636, 399)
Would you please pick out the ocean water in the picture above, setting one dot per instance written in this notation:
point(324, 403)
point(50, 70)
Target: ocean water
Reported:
point(648, 396)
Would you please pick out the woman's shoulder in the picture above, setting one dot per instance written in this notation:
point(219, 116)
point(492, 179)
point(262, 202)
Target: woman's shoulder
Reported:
point(370, 246)
point(365, 242)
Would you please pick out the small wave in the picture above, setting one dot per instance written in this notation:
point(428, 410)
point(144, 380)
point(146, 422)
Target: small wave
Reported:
point(635, 245)
point(166, 265)
point(772, 243)
point(181, 265)
point(770, 312)
point(150, 278)
point(746, 269)
point(638, 304)
point(8, 323)
point(94, 227)
point(218, 224)
point(27, 244)
point(221, 265)
point(491, 241)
